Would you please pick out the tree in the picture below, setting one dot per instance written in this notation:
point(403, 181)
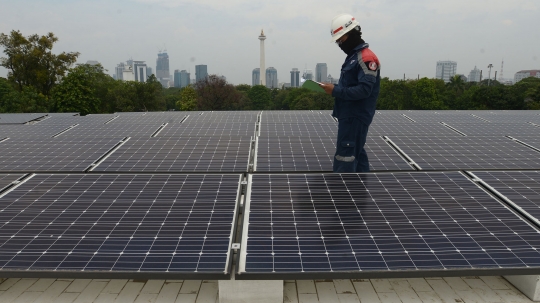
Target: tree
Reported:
point(214, 93)
point(425, 95)
point(188, 99)
point(27, 101)
point(260, 97)
point(30, 61)
point(83, 90)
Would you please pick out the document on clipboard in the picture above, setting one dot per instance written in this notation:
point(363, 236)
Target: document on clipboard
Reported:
point(311, 85)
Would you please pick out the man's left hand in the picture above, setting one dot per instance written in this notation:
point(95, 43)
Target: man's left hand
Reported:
point(328, 88)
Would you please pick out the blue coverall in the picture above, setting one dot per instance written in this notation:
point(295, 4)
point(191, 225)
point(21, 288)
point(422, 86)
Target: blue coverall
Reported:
point(354, 107)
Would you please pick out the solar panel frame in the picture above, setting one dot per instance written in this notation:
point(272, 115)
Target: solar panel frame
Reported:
point(17, 118)
point(468, 209)
point(412, 130)
point(298, 129)
point(7, 180)
point(495, 129)
point(36, 216)
point(31, 131)
point(208, 129)
point(112, 130)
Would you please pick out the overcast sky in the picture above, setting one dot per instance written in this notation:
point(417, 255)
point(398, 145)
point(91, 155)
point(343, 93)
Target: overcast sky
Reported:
point(408, 36)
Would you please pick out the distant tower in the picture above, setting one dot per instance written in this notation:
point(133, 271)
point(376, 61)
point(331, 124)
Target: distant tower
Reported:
point(502, 66)
point(262, 37)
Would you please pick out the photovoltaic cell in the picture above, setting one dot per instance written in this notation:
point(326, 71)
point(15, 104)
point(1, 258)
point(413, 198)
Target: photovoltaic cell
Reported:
point(299, 129)
point(383, 225)
point(81, 120)
point(443, 116)
point(34, 155)
point(105, 225)
point(491, 129)
point(520, 187)
point(184, 154)
point(292, 154)
point(451, 153)
point(151, 118)
point(209, 129)
point(269, 117)
point(112, 130)
point(385, 117)
point(27, 131)
point(223, 117)
point(411, 130)
point(7, 179)
point(19, 118)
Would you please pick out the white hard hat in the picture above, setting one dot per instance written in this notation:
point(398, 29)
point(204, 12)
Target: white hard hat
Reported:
point(342, 24)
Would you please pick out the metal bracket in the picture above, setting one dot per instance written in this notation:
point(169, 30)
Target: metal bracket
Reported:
point(235, 246)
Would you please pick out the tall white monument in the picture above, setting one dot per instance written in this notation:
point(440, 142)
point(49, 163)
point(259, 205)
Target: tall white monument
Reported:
point(262, 37)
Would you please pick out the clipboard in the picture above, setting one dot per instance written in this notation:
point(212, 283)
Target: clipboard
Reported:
point(312, 85)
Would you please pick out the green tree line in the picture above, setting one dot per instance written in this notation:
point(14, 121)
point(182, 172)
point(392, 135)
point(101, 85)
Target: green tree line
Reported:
point(39, 80)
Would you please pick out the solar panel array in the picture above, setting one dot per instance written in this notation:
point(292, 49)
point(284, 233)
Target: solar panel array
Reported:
point(331, 225)
point(19, 118)
point(157, 195)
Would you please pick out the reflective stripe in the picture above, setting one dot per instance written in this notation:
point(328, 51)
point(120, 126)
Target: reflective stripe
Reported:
point(366, 70)
point(345, 159)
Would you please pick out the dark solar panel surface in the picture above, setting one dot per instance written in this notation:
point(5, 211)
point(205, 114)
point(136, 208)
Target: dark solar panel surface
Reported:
point(299, 129)
point(151, 118)
point(102, 224)
point(452, 153)
point(514, 116)
point(411, 130)
point(19, 118)
point(7, 179)
point(388, 223)
point(443, 116)
point(66, 154)
point(520, 187)
point(222, 117)
point(382, 117)
point(492, 129)
point(81, 120)
point(210, 129)
point(269, 117)
point(290, 154)
point(533, 141)
point(112, 130)
point(184, 154)
point(27, 131)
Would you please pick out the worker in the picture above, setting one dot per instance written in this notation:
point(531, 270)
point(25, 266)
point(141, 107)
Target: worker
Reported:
point(355, 95)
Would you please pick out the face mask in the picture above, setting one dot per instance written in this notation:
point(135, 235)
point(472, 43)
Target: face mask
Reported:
point(352, 41)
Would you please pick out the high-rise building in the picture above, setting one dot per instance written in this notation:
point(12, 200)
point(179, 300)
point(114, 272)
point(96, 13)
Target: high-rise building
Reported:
point(522, 74)
point(308, 74)
point(295, 77)
point(149, 71)
point(162, 66)
point(201, 72)
point(446, 70)
point(184, 78)
point(256, 77)
point(262, 37)
point(271, 78)
point(321, 72)
point(119, 71)
point(176, 78)
point(474, 75)
point(139, 71)
point(332, 79)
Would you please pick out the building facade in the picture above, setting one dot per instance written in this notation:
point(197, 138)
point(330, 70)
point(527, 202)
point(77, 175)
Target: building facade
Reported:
point(149, 71)
point(271, 78)
point(295, 77)
point(262, 62)
point(119, 71)
point(184, 78)
point(474, 75)
point(139, 71)
point(201, 72)
point(321, 72)
point(162, 66)
point(308, 74)
point(256, 77)
point(522, 74)
point(446, 70)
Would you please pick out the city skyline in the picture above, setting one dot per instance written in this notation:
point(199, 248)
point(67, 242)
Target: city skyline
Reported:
point(407, 37)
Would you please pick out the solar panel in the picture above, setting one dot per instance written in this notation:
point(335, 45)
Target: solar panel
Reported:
point(112, 130)
point(451, 153)
point(7, 179)
point(321, 226)
point(411, 130)
point(18, 118)
point(199, 129)
point(184, 154)
point(66, 154)
point(119, 226)
point(293, 154)
point(34, 130)
point(533, 141)
point(521, 188)
point(81, 120)
point(269, 117)
point(513, 116)
point(443, 116)
point(223, 117)
point(151, 118)
point(299, 129)
point(385, 117)
point(492, 129)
